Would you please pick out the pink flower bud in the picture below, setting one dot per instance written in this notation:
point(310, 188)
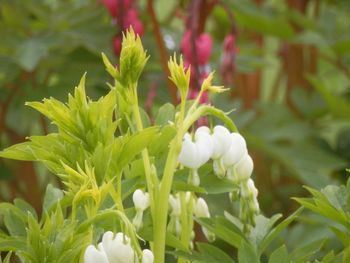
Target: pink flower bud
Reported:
point(131, 19)
point(204, 44)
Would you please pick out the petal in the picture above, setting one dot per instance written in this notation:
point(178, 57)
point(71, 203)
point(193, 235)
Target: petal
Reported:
point(188, 155)
point(93, 255)
point(201, 208)
point(244, 168)
point(222, 141)
point(140, 199)
point(205, 146)
point(147, 256)
point(118, 249)
point(237, 150)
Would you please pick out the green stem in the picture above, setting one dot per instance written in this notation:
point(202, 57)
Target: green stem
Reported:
point(162, 199)
point(151, 179)
point(185, 230)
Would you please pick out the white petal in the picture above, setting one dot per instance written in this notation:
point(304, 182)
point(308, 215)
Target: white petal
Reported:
point(118, 249)
point(205, 146)
point(221, 140)
point(147, 256)
point(244, 168)
point(237, 150)
point(140, 199)
point(94, 255)
point(188, 155)
point(201, 208)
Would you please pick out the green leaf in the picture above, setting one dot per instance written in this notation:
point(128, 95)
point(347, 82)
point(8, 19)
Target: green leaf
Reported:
point(280, 255)
point(213, 254)
point(277, 230)
point(165, 114)
point(52, 196)
point(247, 254)
point(20, 151)
point(301, 254)
point(30, 52)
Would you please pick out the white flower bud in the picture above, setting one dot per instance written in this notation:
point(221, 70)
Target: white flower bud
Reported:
point(118, 249)
point(201, 208)
point(141, 200)
point(147, 256)
point(210, 236)
point(251, 187)
point(221, 140)
point(175, 204)
point(94, 255)
point(244, 168)
point(237, 150)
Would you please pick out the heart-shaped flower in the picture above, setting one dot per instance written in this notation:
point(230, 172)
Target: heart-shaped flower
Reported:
point(237, 150)
point(118, 248)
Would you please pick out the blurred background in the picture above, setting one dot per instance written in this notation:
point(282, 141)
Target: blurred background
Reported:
point(286, 63)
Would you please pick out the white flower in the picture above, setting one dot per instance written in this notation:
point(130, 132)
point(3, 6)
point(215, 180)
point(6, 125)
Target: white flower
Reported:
point(118, 249)
point(141, 200)
point(174, 201)
point(194, 154)
point(244, 168)
point(147, 256)
point(94, 255)
point(236, 151)
point(221, 140)
point(201, 208)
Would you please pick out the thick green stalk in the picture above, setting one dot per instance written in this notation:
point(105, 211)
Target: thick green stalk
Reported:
point(162, 200)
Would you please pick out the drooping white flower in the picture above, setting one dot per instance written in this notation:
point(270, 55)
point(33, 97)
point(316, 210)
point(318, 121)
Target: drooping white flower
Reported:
point(237, 150)
point(188, 156)
point(221, 140)
point(118, 249)
point(147, 256)
point(95, 255)
point(196, 153)
point(141, 200)
point(201, 208)
point(244, 168)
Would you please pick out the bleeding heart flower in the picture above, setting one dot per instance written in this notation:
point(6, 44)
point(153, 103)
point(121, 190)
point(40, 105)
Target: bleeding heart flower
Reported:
point(222, 141)
point(118, 249)
point(204, 44)
point(95, 255)
point(147, 256)
point(244, 168)
point(237, 150)
point(117, 45)
point(141, 200)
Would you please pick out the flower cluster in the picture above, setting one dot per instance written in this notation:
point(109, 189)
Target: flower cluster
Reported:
point(230, 160)
point(124, 15)
point(115, 249)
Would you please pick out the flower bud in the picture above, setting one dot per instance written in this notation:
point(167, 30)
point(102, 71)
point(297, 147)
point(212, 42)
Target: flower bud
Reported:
point(118, 248)
point(175, 204)
point(236, 151)
point(204, 144)
point(201, 208)
point(147, 256)
point(244, 168)
point(251, 187)
point(221, 141)
point(141, 200)
point(94, 255)
point(133, 58)
point(179, 75)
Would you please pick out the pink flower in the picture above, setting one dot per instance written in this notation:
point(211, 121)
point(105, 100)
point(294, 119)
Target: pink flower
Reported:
point(228, 59)
point(131, 19)
point(203, 44)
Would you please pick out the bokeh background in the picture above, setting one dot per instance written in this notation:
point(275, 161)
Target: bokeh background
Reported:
point(285, 62)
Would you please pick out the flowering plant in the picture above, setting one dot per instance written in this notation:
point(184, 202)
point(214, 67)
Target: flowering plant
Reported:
point(106, 154)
